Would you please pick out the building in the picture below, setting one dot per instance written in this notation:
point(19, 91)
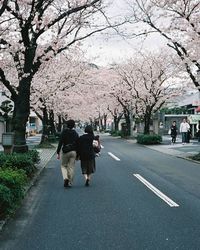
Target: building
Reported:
point(190, 104)
point(34, 124)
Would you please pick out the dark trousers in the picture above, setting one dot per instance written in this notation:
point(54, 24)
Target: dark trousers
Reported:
point(184, 137)
point(173, 138)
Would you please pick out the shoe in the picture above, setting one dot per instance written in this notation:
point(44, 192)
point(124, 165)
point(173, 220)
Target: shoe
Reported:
point(87, 183)
point(66, 183)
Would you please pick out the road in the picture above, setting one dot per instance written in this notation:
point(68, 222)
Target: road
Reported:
point(118, 211)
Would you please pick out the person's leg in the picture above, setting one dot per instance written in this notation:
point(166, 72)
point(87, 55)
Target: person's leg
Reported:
point(174, 138)
point(86, 176)
point(64, 162)
point(184, 137)
point(87, 181)
point(71, 166)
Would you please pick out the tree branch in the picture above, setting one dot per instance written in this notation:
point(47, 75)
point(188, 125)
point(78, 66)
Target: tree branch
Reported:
point(7, 84)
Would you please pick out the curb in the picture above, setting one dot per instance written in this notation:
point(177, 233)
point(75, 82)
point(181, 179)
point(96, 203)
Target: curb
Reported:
point(28, 187)
point(188, 159)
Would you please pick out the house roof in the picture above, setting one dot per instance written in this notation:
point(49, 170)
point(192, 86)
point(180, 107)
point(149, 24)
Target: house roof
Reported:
point(191, 99)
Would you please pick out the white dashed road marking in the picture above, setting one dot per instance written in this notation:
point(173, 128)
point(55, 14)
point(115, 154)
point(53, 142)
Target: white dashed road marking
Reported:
point(113, 156)
point(165, 198)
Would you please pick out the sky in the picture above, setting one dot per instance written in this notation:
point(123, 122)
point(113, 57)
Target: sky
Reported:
point(105, 49)
point(104, 53)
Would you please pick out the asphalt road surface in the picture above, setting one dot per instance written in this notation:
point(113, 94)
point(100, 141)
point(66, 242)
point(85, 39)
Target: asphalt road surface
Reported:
point(138, 199)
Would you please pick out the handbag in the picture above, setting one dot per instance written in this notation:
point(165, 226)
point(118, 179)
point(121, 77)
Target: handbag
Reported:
point(169, 132)
point(96, 146)
point(67, 148)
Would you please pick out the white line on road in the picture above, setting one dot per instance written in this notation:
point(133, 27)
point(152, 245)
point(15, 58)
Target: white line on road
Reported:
point(165, 198)
point(113, 156)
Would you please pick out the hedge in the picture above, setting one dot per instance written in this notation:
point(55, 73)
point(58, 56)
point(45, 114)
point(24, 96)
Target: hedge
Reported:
point(20, 161)
point(116, 132)
point(149, 139)
point(195, 157)
point(11, 189)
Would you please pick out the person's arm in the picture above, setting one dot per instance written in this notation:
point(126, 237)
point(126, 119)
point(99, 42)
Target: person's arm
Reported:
point(99, 143)
point(181, 128)
point(59, 146)
point(78, 148)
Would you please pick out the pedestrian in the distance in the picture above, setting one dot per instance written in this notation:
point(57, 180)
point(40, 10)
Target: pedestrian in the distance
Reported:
point(173, 132)
point(86, 154)
point(184, 127)
point(189, 132)
point(68, 141)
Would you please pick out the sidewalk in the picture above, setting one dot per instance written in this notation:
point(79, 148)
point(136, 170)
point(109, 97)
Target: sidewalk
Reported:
point(178, 150)
point(45, 156)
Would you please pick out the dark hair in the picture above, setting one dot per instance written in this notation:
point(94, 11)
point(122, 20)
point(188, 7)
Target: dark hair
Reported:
point(96, 137)
point(70, 124)
point(174, 121)
point(89, 130)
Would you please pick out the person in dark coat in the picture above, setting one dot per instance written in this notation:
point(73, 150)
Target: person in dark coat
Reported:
point(173, 132)
point(86, 154)
point(67, 142)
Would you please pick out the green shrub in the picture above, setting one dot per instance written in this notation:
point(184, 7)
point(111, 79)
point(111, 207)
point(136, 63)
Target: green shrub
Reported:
point(18, 161)
point(34, 155)
point(58, 135)
point(116, 133)
point(13, 179)
point(52, 138)
point(46, 144)
point(11, 189)
point(6, 203)
point(195, 157)
point(149, 139)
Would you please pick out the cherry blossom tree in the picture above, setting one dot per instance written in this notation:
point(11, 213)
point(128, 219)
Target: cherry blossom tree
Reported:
point(148, 82)
point(52, 89)
point(116, 115)
point(33, 32)
point(3, 6)
point(178, 22)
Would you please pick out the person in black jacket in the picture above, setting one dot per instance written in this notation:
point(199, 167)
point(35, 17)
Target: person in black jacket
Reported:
point(86, 154)
point(67, 142)
point(173, 132)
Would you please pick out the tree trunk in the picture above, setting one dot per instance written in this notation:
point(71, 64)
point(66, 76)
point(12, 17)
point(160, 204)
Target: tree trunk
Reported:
point(20, 116)
point(64, 122)
point(51, 123)
point(128, 123)
point(105, 121)
point(45, 124)
point(59, 127)
point(147, 120)
point(100, 124)
point(116, 123)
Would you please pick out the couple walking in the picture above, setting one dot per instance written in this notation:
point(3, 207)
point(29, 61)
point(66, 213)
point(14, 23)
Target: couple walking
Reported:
point(74, 148)
point(185, 131)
